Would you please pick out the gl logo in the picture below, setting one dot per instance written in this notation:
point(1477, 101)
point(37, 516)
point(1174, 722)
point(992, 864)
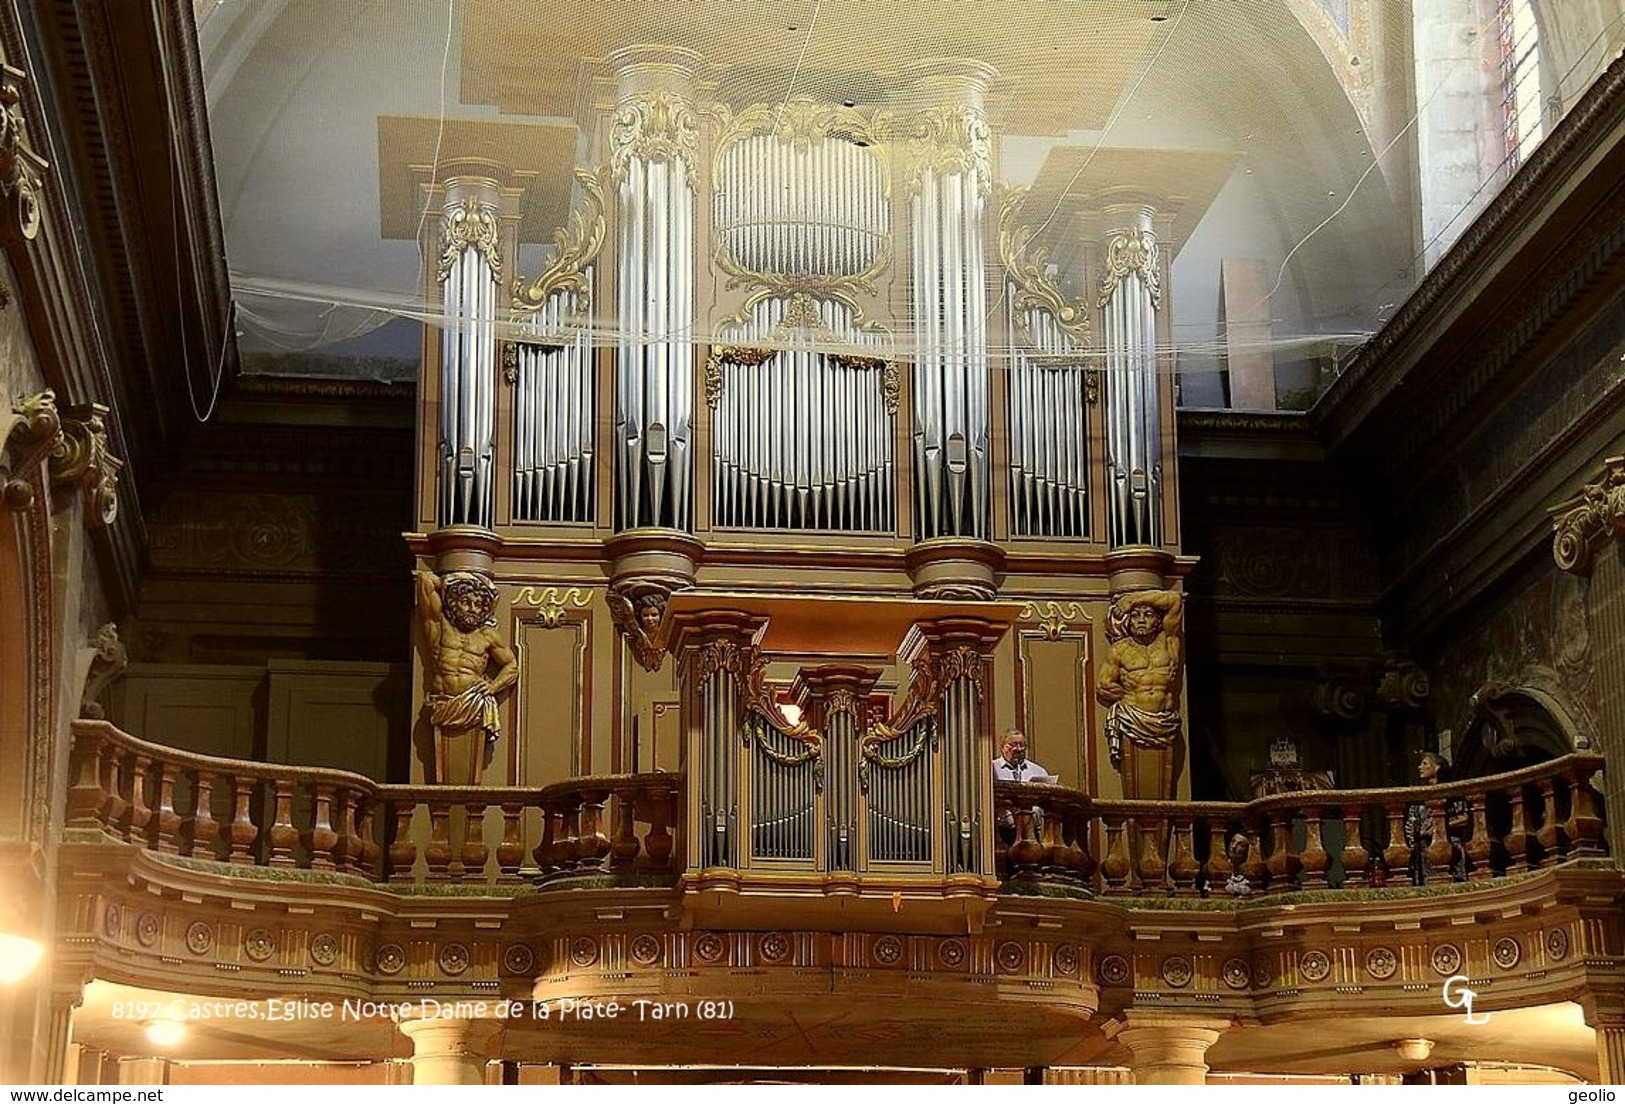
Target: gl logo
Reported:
point(1457, 995)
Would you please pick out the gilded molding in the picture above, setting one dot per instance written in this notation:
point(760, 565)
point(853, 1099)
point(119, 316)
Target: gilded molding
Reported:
point(32, 431)
point(551, 603)
point(1586, 522)
point(574, 249)
point(468, 224)
point(20, 166)
point(951, 138)
point(1054, 617)
point(654, 126)
point(1026, 265)
point(1132, 251)
point(81, 456)
point(743, 355)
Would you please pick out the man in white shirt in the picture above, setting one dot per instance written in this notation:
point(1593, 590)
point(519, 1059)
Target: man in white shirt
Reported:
point(1013, 764)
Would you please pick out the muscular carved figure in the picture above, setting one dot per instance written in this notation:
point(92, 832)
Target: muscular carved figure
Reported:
point(1140, 685)
point(462, 646)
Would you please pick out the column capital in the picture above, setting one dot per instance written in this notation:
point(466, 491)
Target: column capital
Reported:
point(1167, 1047)
point(836, 686)
point(450, 1050)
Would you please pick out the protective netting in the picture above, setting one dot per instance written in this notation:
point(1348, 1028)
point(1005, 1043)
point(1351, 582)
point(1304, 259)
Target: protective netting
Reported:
point(1304, 162)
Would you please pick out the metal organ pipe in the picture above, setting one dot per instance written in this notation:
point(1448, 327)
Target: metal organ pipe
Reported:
point(468, 354)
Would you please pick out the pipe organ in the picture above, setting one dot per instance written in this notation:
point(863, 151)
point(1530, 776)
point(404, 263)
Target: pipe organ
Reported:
point(469, 269)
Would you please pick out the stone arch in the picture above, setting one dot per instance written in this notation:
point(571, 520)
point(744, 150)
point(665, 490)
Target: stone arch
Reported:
point(1513, 726)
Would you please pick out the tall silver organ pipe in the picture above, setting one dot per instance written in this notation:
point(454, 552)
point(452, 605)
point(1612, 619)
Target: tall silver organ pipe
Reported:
point(654, 139)
point(554, 414)
point(1131, 293)
point(950, 429)
point(1047, 423)
point(469, 272)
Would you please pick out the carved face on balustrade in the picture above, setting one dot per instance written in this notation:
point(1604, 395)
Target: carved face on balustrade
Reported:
point(469, 601)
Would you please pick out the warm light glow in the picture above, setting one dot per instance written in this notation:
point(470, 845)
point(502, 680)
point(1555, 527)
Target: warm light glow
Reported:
point(18, 957)
point(165, 1033)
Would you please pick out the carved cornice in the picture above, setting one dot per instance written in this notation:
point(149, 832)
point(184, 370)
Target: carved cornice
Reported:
point(1132, 251)
point(20, 166)
point(32, 430)
point(1027, 267)
point(81, 456)
point(574, 249)
point(1589, 520)
point(468, 224)
point(654, 126)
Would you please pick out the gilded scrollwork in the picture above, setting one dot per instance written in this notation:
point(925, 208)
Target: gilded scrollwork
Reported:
point(574, 250)
point(20, 166)
point(654, 126)
point(891, 374)
point(1027, 265)
point(552, 602)
point(801, 289)
point(1055, 618)
point(468, 224)
point(1586, 522)
point(758, 699)
point(81, 456)
point(802, 122)
point(742, 355)
point(950, 138)
point(1132, 251)
point(32, 430)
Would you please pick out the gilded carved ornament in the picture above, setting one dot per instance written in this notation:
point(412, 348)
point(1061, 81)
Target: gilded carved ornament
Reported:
point(743, 355)
point(951, 138)
point(469, 224)
point(891, 374)
point(1132, 251)
point(802, 122)
point(746, 356)
point(654, 126)
point(800, 289)
point(1027, 266)
point(930, 675)
point(1589, 520)
point(551, 603)
point(81, 456)
point(574, 249)
point(639, 612)
point(20, 166)
point(1055, 618)
point(32, 431)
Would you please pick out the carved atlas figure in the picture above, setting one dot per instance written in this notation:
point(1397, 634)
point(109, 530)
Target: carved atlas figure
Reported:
point(1140, 681)
point(461, 648)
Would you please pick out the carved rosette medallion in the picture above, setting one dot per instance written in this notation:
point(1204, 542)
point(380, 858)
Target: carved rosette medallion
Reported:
point(1235, 973)
point(146, 929)
point(654, 126)
point(324, 949)
point(888, 950)
point(645, 949)
point(111, 920)
point(710, 948)
point(584, 951)
point(1381, 963)
point(453, 958)
point(518, 958)
point(390, 959)
point(952, 953)
point(1177, 971)
point(199, 938)
point(1113, 970)
point(775, 947)
point(1066, 959)
point(1314, 966)
point(1557, 944)
point(259, 944)
point(1446, 959)
point(1507, 952)
point(1010, 956)
point(1263, 972)
point(469, 224)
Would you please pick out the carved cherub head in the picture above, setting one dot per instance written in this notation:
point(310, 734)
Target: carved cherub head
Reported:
point(651, 608)
point(469, 600)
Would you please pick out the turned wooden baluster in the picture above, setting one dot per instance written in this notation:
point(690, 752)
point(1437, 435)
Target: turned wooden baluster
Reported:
point(1550, 836)
point(322, 839)
point(202, 830)
point(1284, 862)
point(347, 848)
point(1397, 855)
point(113, 774)
point(1439, 851)
point(1584, 827)
point(1079, 833)
point(569, 855)
point(1354, 857)
point(623, 846)
point(1518, 837)
point(545, 847)
point(511, 851)
point(403, 850)
point(1114, 866)
point(140, 819)
point(1315, 861)
point(166, 822)
point(594, 845)
point(658, 842)
point(1152, 868)
point(1025, 851)
point(1480, 848)
point(1253, 867)
point(86, 794)
point(1182, 865)
point(437, 852)
point(241, 833)
point(283, 837)
point(371, 854)
point(475, 850)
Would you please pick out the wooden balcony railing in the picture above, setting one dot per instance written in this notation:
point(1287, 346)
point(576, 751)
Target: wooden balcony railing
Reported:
point(232, 811)
point(1330, 839)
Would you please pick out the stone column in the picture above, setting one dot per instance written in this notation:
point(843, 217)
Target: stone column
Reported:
point(1130, 295)
point(449, 1050)
point(654, 154)
point(1168, 1048)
